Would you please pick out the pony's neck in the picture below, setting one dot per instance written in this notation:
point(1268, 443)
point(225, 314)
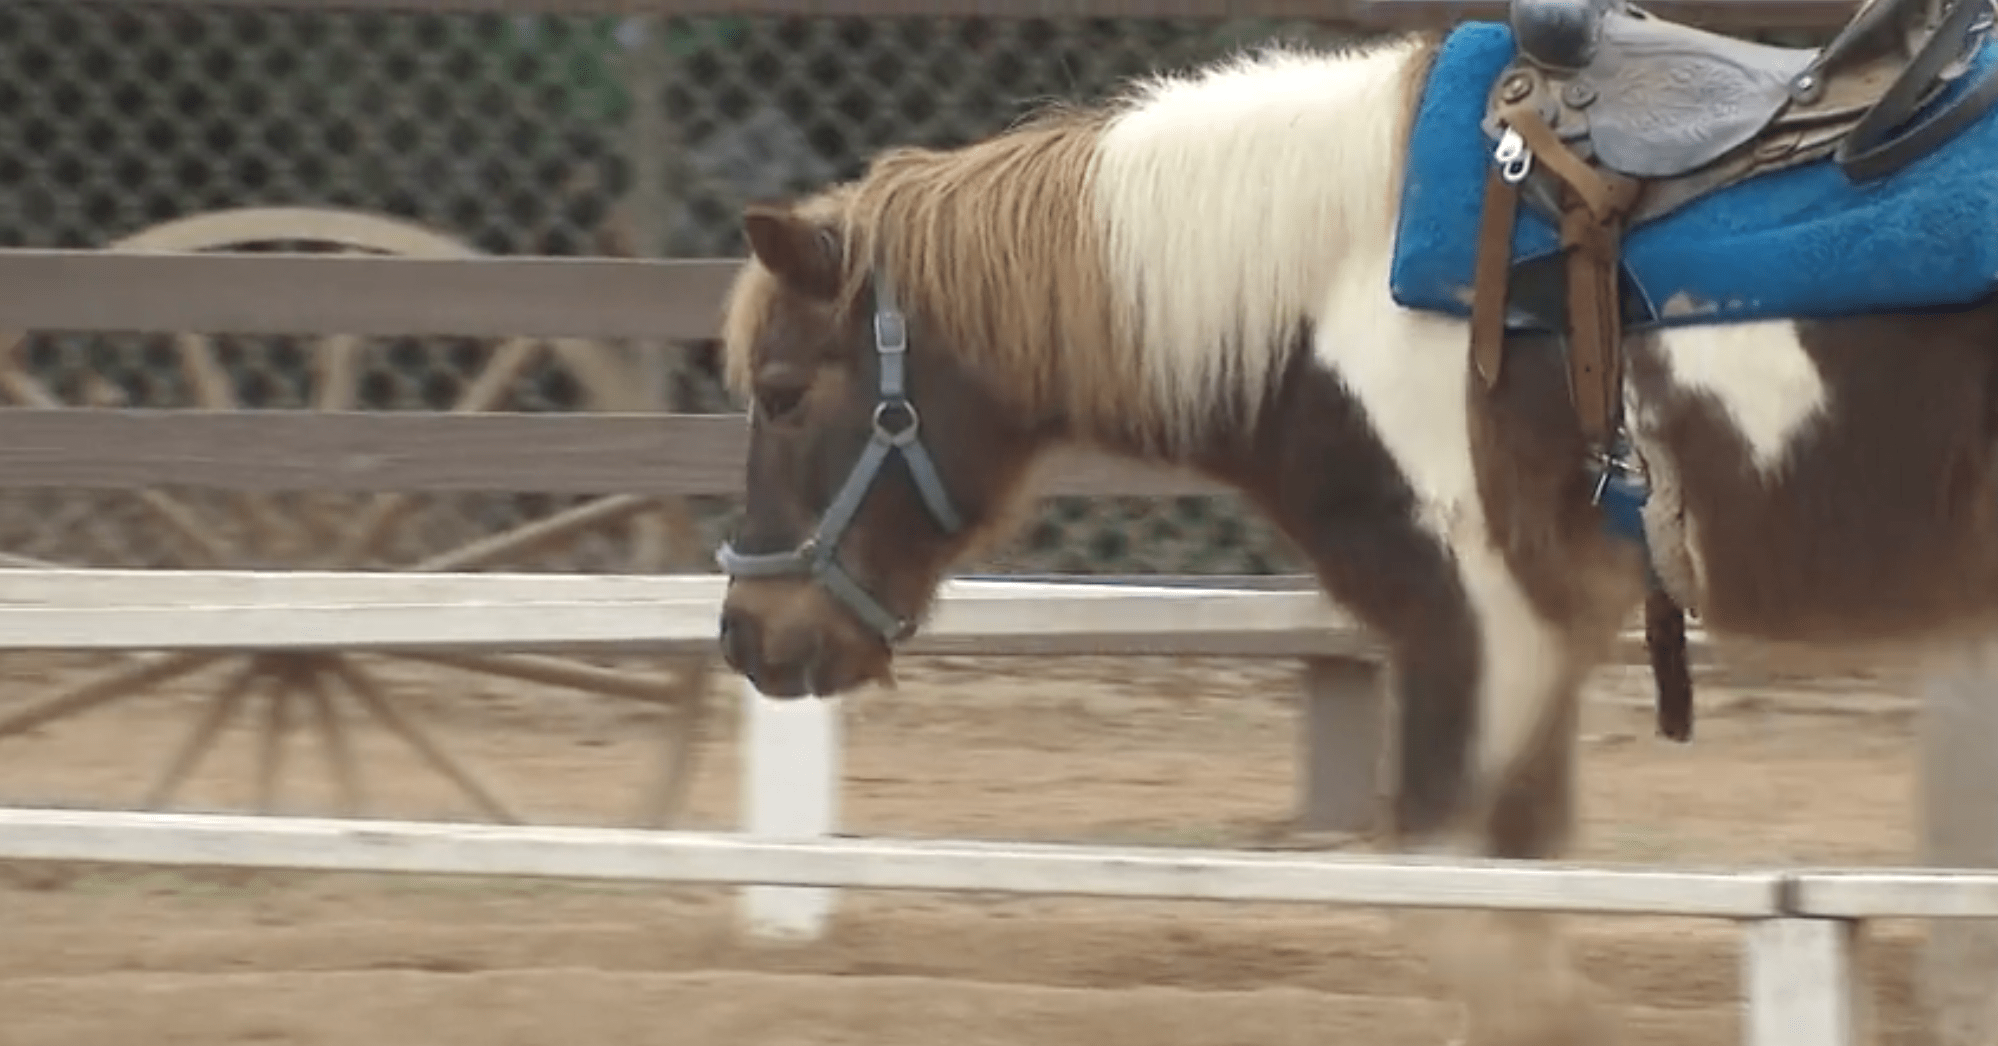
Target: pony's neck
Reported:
point(1235, 207)
point(1313, 466)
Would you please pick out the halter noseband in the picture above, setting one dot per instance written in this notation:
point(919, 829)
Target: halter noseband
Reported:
point(896, 428)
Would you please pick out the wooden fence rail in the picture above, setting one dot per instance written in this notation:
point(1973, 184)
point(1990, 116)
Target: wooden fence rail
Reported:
point(1799, 966)
point(438, 451)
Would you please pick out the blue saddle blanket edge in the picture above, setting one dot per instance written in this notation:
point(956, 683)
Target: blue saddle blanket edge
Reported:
point(1800, 243)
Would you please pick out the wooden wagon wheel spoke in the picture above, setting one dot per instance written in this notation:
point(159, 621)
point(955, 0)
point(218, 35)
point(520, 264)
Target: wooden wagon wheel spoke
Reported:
point(181, 519)
point(20, 386)
point(339, 750)
point(337, 373)
point(9, 559)
point(104, 689)
point(680, 735)
point(553, 671)
point(187, 524)
point(200, 740)
point(369, 693)
point(271, 737)
point(342, 531)
point(485, 391)
point(681, 697)
point(531, 537)
point(214, 390)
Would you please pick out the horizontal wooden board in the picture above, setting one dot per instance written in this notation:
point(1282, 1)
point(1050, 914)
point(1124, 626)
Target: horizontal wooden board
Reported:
point(881, 864)
point(1372, 13)
point(274, 450)
point(251, 293)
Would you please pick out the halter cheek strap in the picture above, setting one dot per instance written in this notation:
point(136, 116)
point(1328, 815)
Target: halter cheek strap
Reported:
point(897, 429)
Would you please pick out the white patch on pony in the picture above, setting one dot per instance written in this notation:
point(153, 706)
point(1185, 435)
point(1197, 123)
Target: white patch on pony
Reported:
point(1228, 199)
point(1758, 373)
point(1237, 204)
point(1242, 200)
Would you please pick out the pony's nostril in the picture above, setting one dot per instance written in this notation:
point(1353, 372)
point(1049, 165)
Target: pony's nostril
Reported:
point(738, 640)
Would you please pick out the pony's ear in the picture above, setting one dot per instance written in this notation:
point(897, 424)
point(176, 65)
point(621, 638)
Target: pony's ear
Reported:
point(802, 253)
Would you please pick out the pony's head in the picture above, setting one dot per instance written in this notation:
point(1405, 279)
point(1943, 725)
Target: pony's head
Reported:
point(909, 343)
point(879, 449)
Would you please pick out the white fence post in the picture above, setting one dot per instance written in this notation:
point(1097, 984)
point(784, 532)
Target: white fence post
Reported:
point(1342, 745)
point(790, 790)
point(1801, 984)
point(1959, 818)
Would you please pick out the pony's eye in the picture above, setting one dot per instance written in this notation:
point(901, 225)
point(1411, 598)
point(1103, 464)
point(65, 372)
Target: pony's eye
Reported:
point(778, 402)
point(779, 391)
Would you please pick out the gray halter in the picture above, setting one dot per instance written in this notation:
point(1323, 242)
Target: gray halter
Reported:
point(896, 428)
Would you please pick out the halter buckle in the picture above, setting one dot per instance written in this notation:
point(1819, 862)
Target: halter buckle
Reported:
point(891, 332)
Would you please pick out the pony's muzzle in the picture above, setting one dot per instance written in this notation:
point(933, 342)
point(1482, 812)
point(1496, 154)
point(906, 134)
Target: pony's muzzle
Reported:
point(797, 648)
point(739, 643)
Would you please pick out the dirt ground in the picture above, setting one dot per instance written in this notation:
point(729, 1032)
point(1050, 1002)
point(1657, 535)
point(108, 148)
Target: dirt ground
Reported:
point(1160, 752)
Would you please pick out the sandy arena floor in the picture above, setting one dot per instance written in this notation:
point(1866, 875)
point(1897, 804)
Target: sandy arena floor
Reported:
point(1195, 753)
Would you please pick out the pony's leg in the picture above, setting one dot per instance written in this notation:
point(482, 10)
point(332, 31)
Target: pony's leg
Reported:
point(1486, 693)
point(1512, 970)
point(1485, 666)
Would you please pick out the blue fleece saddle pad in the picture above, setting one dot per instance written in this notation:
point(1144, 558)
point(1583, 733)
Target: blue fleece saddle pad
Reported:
point(1800, 243)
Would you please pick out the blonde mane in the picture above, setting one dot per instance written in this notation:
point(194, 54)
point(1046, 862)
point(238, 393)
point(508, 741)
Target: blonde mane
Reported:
point(994, 246)
point(1138, 269)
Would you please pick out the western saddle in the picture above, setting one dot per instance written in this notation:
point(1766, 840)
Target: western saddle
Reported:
point(1608, 117)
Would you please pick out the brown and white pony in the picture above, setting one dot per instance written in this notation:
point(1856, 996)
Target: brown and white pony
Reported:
point(1197, 272)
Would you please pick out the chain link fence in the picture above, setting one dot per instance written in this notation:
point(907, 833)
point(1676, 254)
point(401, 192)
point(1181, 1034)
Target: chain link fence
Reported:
point(516, 133)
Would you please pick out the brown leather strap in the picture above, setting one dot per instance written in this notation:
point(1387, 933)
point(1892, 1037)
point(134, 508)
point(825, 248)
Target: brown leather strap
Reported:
point(1607, 194)
point(1665, 640)
point(1868, 152)
point(1489, 280)
point(1595, 324)
point(1593, 207)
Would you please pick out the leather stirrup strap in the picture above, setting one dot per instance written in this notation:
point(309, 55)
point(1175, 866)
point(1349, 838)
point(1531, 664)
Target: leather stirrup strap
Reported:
point(1595, 325)
point(1490, 279)
point(1593, 209)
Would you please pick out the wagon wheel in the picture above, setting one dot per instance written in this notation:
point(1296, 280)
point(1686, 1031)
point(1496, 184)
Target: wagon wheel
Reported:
point(319, 691)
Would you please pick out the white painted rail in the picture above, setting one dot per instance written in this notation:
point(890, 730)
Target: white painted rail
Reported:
point(130, 609)
point(879, 864)
point(1798, 967)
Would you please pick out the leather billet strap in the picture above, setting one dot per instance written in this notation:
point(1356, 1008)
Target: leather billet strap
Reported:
point(897, 430)
point(1489, 279)
point(1594, 205)
point(1595, 324)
